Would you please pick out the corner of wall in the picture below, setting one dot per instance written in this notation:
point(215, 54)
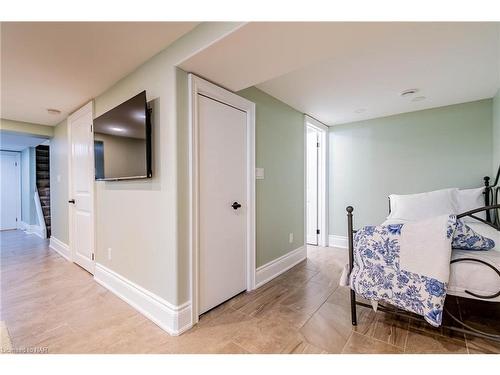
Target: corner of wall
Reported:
point(496, 134)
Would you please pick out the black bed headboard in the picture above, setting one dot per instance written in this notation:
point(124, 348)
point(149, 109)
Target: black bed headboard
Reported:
point(491, 196)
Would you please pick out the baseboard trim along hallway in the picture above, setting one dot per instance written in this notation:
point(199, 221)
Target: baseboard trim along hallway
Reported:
point(337, 241)
point(276, 267)
point(31, 229)
point(60, 247)
point(172, 319)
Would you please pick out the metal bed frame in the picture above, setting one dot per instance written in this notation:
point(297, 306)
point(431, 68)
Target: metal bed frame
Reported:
point(492, 208)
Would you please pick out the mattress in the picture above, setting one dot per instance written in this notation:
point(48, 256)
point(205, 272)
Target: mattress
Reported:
point(473, 276)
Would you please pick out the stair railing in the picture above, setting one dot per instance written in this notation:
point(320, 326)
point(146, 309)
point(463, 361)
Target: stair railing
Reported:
point(39, 214)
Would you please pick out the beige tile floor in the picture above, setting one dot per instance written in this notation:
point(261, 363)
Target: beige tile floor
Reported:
point(50, 303)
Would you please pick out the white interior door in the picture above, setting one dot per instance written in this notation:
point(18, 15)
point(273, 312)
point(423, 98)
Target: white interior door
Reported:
point(81, 186)
point(222, 187)
point(312, 186)
point(10, 190)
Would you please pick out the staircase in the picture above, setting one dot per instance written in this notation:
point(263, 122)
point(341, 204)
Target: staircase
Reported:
point(43, 182)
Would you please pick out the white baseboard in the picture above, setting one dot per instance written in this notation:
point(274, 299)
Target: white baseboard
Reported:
point(171, 318)
point(60, 247)
point(276, 267)
point(23, 226)
point(32, 229)
point(337, 241)
point(311, 239)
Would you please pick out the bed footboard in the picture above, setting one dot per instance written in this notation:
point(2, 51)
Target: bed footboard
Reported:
point(350, 241)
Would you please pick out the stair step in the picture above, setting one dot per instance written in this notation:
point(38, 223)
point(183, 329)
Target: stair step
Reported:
point(42, 167)
point(42, 158)
point(43, 183)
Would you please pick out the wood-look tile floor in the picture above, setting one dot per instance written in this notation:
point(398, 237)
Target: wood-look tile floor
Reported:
point(51, 305)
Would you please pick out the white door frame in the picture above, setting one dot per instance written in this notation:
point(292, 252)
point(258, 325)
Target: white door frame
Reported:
point(17, 154)
point(89, 107)
point(197, 86)
point(322, 179)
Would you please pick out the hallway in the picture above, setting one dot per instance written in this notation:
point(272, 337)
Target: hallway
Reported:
point(53, 305)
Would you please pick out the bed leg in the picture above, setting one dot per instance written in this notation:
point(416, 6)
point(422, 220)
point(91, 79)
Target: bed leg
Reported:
point(487, 193)
point(349, 210)
point(353, 308)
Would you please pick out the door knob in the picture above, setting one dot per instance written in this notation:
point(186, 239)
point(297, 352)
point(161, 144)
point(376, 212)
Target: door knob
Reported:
point(71, 201)
point(236, 205)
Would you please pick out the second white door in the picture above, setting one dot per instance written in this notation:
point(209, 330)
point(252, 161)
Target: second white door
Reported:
point(312, 186)
point(10, 190)
point(81, 202)
point(222, 202)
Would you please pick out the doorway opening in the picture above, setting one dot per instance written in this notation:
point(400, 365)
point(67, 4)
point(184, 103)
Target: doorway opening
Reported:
point(316, 182)
point(24, 178)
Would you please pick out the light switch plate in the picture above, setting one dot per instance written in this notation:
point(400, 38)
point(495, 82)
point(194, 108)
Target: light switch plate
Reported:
point(259, 173)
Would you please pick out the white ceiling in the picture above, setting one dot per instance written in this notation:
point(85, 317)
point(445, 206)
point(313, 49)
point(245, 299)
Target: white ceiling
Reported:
point(331, 70)
point(63, 65)
point(18, 142)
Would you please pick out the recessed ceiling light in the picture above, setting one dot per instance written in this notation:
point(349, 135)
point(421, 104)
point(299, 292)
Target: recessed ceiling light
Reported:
point(418, 98)
point(52, 111)
point(409, 92)
point(360, 110)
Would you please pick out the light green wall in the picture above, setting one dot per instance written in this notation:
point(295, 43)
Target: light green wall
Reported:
point(496, 133)
point(26, 127)
point(144, 221)
point(28, 186)
point(413, 152)
point(59, 182)
point(280, 195)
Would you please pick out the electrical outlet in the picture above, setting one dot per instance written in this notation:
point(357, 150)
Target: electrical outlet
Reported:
point(109, 253)
point(290, 238)
point(259, 173)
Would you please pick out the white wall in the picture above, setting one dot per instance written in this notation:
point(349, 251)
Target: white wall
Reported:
point(144, 221)
point(59, 183)
point(28, 186)
point(496, 134)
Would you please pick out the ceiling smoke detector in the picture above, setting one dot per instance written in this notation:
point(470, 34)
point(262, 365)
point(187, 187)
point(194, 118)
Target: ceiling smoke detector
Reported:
point(409, 92)
point(52, 111)
point(360, 110)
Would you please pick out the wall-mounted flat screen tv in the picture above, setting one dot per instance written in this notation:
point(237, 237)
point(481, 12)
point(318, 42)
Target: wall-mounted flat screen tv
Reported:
point(122, 141)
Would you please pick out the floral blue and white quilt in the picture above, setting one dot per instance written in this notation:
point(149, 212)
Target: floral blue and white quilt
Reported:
point(406, 265)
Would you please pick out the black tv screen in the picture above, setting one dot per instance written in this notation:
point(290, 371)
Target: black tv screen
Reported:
point(122, 141)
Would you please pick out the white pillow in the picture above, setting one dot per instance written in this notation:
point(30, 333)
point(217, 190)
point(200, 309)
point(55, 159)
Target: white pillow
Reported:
point(422, 206)
point(469, 199)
